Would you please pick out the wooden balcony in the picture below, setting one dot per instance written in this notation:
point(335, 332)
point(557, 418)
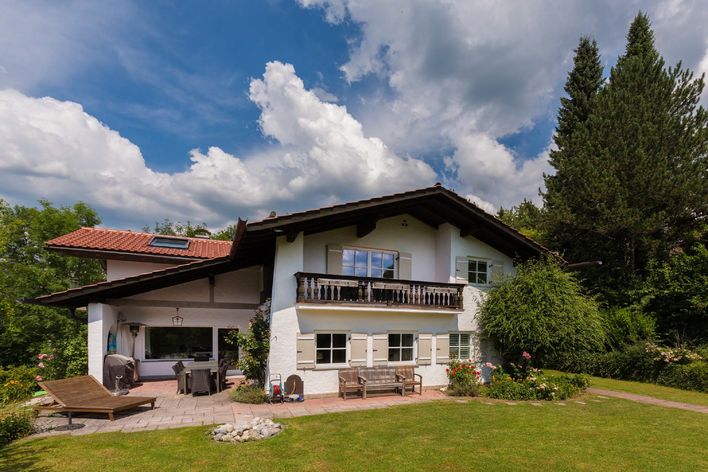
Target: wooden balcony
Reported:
point(370, 291)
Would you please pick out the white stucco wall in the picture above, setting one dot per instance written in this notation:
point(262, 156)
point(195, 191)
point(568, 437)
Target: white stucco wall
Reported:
point(121, 269)
point(434, 253)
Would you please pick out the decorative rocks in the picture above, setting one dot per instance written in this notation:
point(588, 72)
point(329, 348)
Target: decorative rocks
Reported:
point(253, 430)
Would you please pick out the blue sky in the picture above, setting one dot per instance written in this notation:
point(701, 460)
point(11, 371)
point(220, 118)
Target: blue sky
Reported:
point(209, 111)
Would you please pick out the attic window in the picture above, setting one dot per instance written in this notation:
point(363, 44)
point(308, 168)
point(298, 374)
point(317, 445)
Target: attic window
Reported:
point(172, 243)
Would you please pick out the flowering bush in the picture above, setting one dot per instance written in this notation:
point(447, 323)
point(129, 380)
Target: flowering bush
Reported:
point(463, 378)
point(528, 383)
point(17, 383)
point(669, 355)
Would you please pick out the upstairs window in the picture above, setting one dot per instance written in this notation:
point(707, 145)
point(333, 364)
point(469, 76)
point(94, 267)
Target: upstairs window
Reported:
point(369, 263)
point(171, 243)
point(477, 272)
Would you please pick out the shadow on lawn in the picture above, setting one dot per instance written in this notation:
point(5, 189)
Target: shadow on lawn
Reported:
point(22, 456)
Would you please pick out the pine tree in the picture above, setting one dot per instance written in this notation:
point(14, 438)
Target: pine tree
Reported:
point(637, 180)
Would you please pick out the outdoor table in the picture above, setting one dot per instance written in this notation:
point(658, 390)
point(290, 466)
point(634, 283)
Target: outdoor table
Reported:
point(213, 366)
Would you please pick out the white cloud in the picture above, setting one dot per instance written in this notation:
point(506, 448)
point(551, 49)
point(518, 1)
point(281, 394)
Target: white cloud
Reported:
point(54, 149)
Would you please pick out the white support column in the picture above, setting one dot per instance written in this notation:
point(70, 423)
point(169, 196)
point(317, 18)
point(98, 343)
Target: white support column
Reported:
point(289, 259)
point(101, 318)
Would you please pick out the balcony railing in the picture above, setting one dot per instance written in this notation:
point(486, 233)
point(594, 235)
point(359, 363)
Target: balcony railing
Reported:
point(370, 291)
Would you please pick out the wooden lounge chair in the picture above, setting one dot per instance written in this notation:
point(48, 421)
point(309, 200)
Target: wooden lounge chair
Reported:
point(408, 376)
point(85, 394)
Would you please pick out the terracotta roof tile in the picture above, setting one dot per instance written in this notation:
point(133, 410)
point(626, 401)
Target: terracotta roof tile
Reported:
point(102, 239)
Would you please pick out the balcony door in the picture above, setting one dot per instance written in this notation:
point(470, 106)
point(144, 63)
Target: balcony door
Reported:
point(369, 263)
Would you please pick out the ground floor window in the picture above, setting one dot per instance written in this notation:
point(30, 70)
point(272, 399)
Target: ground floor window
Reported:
point(460, 345)
point(331, 348)
point(400, 347)
point(177, 342)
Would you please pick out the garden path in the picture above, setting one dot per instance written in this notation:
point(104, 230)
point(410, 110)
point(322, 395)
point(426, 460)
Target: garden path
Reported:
point(649, 400)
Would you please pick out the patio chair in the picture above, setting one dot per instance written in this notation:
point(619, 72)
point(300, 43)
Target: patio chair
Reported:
point(200, 381)
point(223, 369)
point(182, 386)
point(85, 394)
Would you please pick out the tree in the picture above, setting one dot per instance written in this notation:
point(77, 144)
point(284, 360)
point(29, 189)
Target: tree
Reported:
point(225, 234)
point(632, 182)
point(169, 228)
point(541, 310)
point(526, 218)
point(27, 270)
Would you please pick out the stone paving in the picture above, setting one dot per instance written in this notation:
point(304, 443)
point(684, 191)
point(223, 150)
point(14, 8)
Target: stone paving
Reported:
point(173, 410)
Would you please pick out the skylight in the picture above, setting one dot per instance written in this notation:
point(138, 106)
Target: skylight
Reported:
point(172, 243)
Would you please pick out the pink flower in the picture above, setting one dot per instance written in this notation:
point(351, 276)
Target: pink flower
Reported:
point(526, 355)
point(41, 356)
point(38, 378)
point(41, 365)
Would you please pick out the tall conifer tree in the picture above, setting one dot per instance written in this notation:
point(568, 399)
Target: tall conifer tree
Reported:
point(635, 183)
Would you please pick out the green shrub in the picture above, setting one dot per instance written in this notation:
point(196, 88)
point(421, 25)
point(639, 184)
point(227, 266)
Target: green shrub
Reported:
point(567, 386)
point(17, 383)
point(541, 310)
point(15, 422)
point(693, 376)
point(255, 345)
point(626, 326)
point(510, 390)
point(249, 394)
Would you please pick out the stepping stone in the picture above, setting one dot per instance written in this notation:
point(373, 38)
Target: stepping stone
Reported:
point(595, 400)
point(580, 403)
point(460, 401)
point(488, 403)
point(510, 403)
point(535, 404)
point(603, 397)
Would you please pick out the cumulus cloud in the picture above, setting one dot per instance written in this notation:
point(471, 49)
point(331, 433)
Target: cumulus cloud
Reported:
point(463, 74)
point(54, 149)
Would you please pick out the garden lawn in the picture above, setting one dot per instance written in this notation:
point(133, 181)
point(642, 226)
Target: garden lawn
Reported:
point(648, 389)
point(610, 434)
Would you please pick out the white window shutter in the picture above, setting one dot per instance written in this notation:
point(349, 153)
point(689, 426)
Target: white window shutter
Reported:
point(497, 271)
point(442, 348)
point(380, 348)
point(306, 351)
point(425, 349)
point(358, 350)
point(405, 266)
point(334, 259)
point(462, 267)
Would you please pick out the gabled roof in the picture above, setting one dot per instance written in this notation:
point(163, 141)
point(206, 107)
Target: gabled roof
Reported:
point(122, 244)
point(254, 243)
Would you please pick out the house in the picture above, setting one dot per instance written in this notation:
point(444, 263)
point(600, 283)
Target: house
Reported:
point(394, 280)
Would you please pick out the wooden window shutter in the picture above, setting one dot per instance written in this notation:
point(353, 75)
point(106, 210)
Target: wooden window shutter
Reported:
point(497, 272)
point(405, 266)
point(425, 349)
point(442, 348)
point(462, 267)
point(380, 348)
point(334, 259)
point(358, 350)
point(306, 351)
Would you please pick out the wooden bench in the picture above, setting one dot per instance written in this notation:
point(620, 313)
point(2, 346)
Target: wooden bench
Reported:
point(85, 394)
point(408, 376)
point(378, 378)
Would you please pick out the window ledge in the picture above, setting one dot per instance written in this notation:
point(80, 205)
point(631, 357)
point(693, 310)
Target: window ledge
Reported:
point(331, 366)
